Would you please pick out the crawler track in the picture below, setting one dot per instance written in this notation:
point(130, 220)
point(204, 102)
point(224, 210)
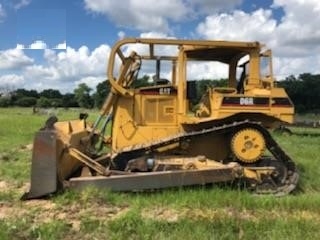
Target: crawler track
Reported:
point(281, 183)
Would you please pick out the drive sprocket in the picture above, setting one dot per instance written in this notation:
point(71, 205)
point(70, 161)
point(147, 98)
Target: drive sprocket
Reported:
point(248, 145)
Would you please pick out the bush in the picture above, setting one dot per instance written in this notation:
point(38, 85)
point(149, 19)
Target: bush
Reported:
point(5, 102)
point(26, 102)
point(56, 102)
point(68, 100)
point(43, 102)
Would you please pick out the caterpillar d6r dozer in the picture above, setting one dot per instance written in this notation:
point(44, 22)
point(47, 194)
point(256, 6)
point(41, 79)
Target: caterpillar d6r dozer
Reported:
point(152, 137)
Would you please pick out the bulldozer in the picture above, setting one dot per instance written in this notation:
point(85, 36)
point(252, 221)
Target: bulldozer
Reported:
point(162, 134)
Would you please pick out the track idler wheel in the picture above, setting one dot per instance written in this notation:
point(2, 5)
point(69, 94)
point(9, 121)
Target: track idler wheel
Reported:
point(281, 182)
point(248, 145)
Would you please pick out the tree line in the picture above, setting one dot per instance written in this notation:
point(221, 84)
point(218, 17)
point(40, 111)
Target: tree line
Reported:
point(82, 96)
point(304, 91)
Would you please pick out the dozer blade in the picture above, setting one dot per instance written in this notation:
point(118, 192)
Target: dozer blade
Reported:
point(44, 165)
point(156, 180)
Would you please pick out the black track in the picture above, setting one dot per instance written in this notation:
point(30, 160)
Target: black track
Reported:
point(278, 185)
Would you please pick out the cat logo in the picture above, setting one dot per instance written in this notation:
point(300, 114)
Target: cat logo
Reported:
point(246, 101)
point(164, 91)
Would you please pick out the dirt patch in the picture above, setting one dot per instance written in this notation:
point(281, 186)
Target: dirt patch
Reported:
point(109, 212)
point(196, 214)
point(161, 214)
point(27, 147)
point(23, 187)
point(4, 186)
point(9, 210)
point(8, 156)
point(43, 204)
point(45, 211)
point(4, 156)
point(172, 215)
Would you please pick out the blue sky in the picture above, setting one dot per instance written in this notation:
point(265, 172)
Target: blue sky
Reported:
point(54, 22)
point(45, 43)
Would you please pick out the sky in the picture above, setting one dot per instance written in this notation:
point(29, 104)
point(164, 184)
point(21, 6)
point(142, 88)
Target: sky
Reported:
point(62, 43)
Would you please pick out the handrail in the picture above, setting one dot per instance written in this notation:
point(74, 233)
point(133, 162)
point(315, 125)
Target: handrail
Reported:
point(152, 42)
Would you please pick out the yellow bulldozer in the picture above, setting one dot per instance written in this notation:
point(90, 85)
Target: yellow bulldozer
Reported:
point(156, 136)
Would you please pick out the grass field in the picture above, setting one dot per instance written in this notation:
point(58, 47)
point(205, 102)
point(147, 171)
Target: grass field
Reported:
point(216, 212)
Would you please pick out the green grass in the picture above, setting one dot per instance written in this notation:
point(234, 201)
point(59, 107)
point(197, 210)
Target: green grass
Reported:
point(224, 227)
point(17, 129)
point(216, 212)
point(18, 125)
point(24, 229)
point(305, 151)
point(308, 117)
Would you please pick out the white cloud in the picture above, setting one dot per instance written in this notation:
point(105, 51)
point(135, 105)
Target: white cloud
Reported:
point(41, 73)
point(2, 13)
point(154, 34)
point(294, 39)
point(121, 34)
point(74, 62)
point(211, 6)
point(142, 15)
point(143, 49)
point(50, 55)
point(38, 44)
point(239, 26)
point(61, 46)
point(41, 45)
point(11, 80)
point(285, 66)
point(16, 5)
point(62, 69)
point(298, 34)
point(90, 81)
point(14, 59)
point(154, 14)
point(206, 70)
point(21, 4)
point(20, 46)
